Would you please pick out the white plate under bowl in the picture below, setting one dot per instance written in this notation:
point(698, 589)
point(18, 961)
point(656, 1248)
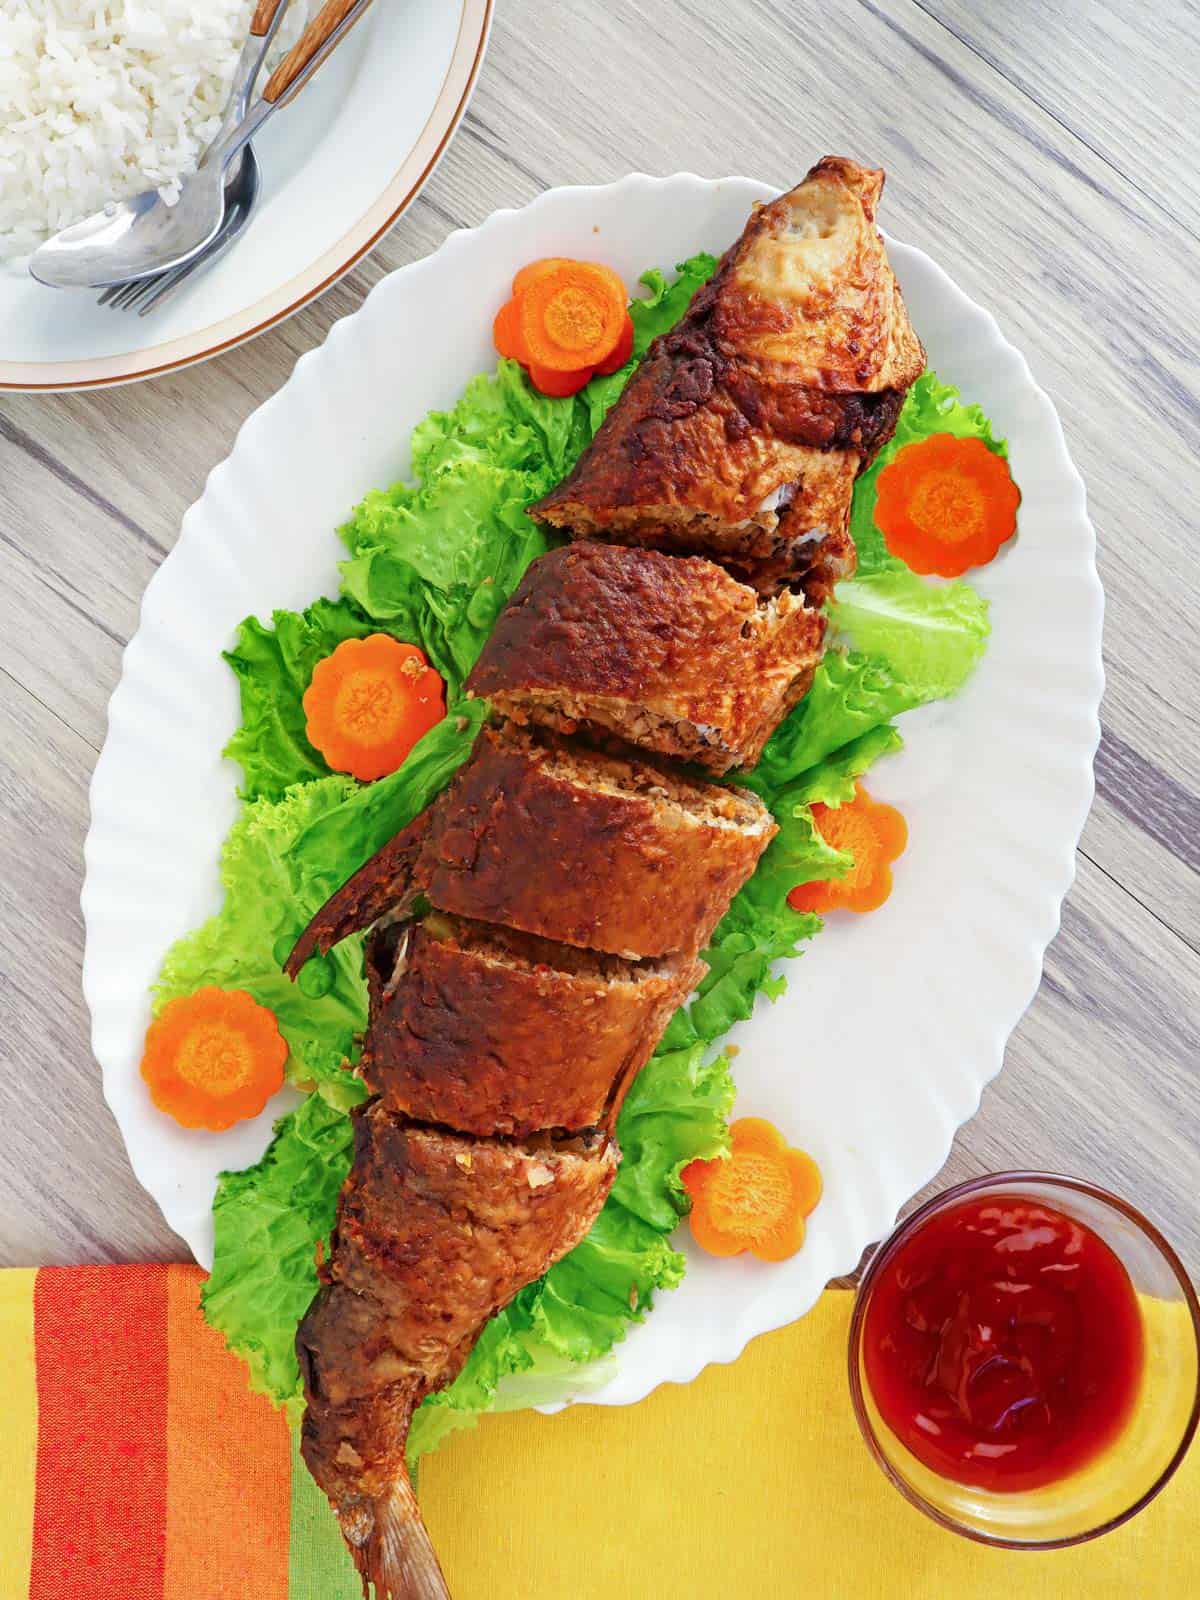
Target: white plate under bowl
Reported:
point(339, 166)
point(892, 1023)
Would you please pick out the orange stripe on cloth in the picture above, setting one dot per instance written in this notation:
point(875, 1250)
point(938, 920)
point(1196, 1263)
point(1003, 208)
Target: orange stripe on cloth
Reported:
point(18, 1430)
point(229, 1466)
point(100, 1511)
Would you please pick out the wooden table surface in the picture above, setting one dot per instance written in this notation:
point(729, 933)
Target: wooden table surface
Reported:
point(1047, 156)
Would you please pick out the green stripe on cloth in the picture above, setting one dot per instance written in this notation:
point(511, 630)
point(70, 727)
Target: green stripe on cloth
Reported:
point(319, 1565)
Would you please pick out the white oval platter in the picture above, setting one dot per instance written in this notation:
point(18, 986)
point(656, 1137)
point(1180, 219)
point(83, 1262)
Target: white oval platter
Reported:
point(893, 1023)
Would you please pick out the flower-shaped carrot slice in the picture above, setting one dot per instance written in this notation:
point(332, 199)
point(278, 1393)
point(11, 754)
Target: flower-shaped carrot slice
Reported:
point(566, 320)
point(946, 504)
point(757, 1199)
point(213, 1058)
point(874, 835)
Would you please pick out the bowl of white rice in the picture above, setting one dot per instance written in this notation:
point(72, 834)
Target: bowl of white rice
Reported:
point(101, 99)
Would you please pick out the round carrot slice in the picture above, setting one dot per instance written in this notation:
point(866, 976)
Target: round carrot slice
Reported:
point(572, 317)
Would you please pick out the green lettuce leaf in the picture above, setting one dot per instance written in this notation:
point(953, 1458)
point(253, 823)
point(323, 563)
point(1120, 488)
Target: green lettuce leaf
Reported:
point(834, 780)
point(435, 561)
point(930, 636)
point(273, 667)
point(267, 1222)
point(760, 928)
point(268, 902)
point(676, 1110)
point(850, 695)
point(669, 298)
point(502, 421)
point(911, 641)
point(930, 407)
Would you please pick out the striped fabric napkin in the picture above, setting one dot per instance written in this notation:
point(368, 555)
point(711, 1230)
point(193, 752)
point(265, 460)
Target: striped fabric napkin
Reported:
point(136, 1465)
point(134, 1461)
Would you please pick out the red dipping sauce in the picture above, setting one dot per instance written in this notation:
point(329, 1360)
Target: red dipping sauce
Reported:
point(1003, 1344)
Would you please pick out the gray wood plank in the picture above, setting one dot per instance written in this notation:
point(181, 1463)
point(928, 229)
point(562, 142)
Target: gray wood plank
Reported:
point(66, 1191)
point(1026, 195)
point(1118, 75)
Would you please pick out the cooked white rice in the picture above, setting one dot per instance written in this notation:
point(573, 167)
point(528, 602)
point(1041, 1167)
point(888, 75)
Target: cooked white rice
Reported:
point(102, 98)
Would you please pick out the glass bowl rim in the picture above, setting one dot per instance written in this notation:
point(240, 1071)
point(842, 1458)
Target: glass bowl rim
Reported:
point(1013, 1179)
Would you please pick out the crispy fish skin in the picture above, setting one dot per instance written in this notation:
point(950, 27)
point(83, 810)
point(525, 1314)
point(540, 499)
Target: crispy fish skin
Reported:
point(741, 433)
point(668, 653)
point(490, 1032)
point(435, 1233)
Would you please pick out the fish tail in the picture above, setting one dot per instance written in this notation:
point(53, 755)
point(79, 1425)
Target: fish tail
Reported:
point(398, 1556)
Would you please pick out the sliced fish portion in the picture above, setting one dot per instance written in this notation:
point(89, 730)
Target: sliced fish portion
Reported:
point(669, 654)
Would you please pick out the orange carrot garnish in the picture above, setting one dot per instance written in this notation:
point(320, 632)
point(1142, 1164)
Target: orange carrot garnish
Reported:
point(757, 1198)
point(572, 315)
point(565, 321)
point(874, 835)
point(622, 350)
point(369, 702)
point(213, 1058)
point(558, 385)
point(506, 332)
point(946, 504)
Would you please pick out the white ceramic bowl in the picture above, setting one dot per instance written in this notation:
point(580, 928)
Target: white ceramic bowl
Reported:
point(339, 166)
point(892, 1023)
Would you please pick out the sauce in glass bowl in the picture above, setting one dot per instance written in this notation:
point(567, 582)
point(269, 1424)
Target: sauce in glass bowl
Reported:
point(1003, 1343)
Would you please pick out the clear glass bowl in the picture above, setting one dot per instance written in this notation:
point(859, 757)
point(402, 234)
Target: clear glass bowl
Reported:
point(1112, 1487)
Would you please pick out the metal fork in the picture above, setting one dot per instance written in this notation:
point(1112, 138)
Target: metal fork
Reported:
point(144, 294)
point(241, 184)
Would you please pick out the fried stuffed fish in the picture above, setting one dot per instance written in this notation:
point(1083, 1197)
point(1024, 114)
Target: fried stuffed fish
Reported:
point(533, 931)
point(551, 838)
point(668, 653)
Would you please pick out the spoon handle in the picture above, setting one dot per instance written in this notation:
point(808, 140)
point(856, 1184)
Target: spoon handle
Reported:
point(264, 16)
point(264, 24)
point(316, 43)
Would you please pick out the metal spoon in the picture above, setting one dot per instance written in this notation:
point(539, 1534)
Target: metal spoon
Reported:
point(144, 236)
point(242, 180)
point(144, 294)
